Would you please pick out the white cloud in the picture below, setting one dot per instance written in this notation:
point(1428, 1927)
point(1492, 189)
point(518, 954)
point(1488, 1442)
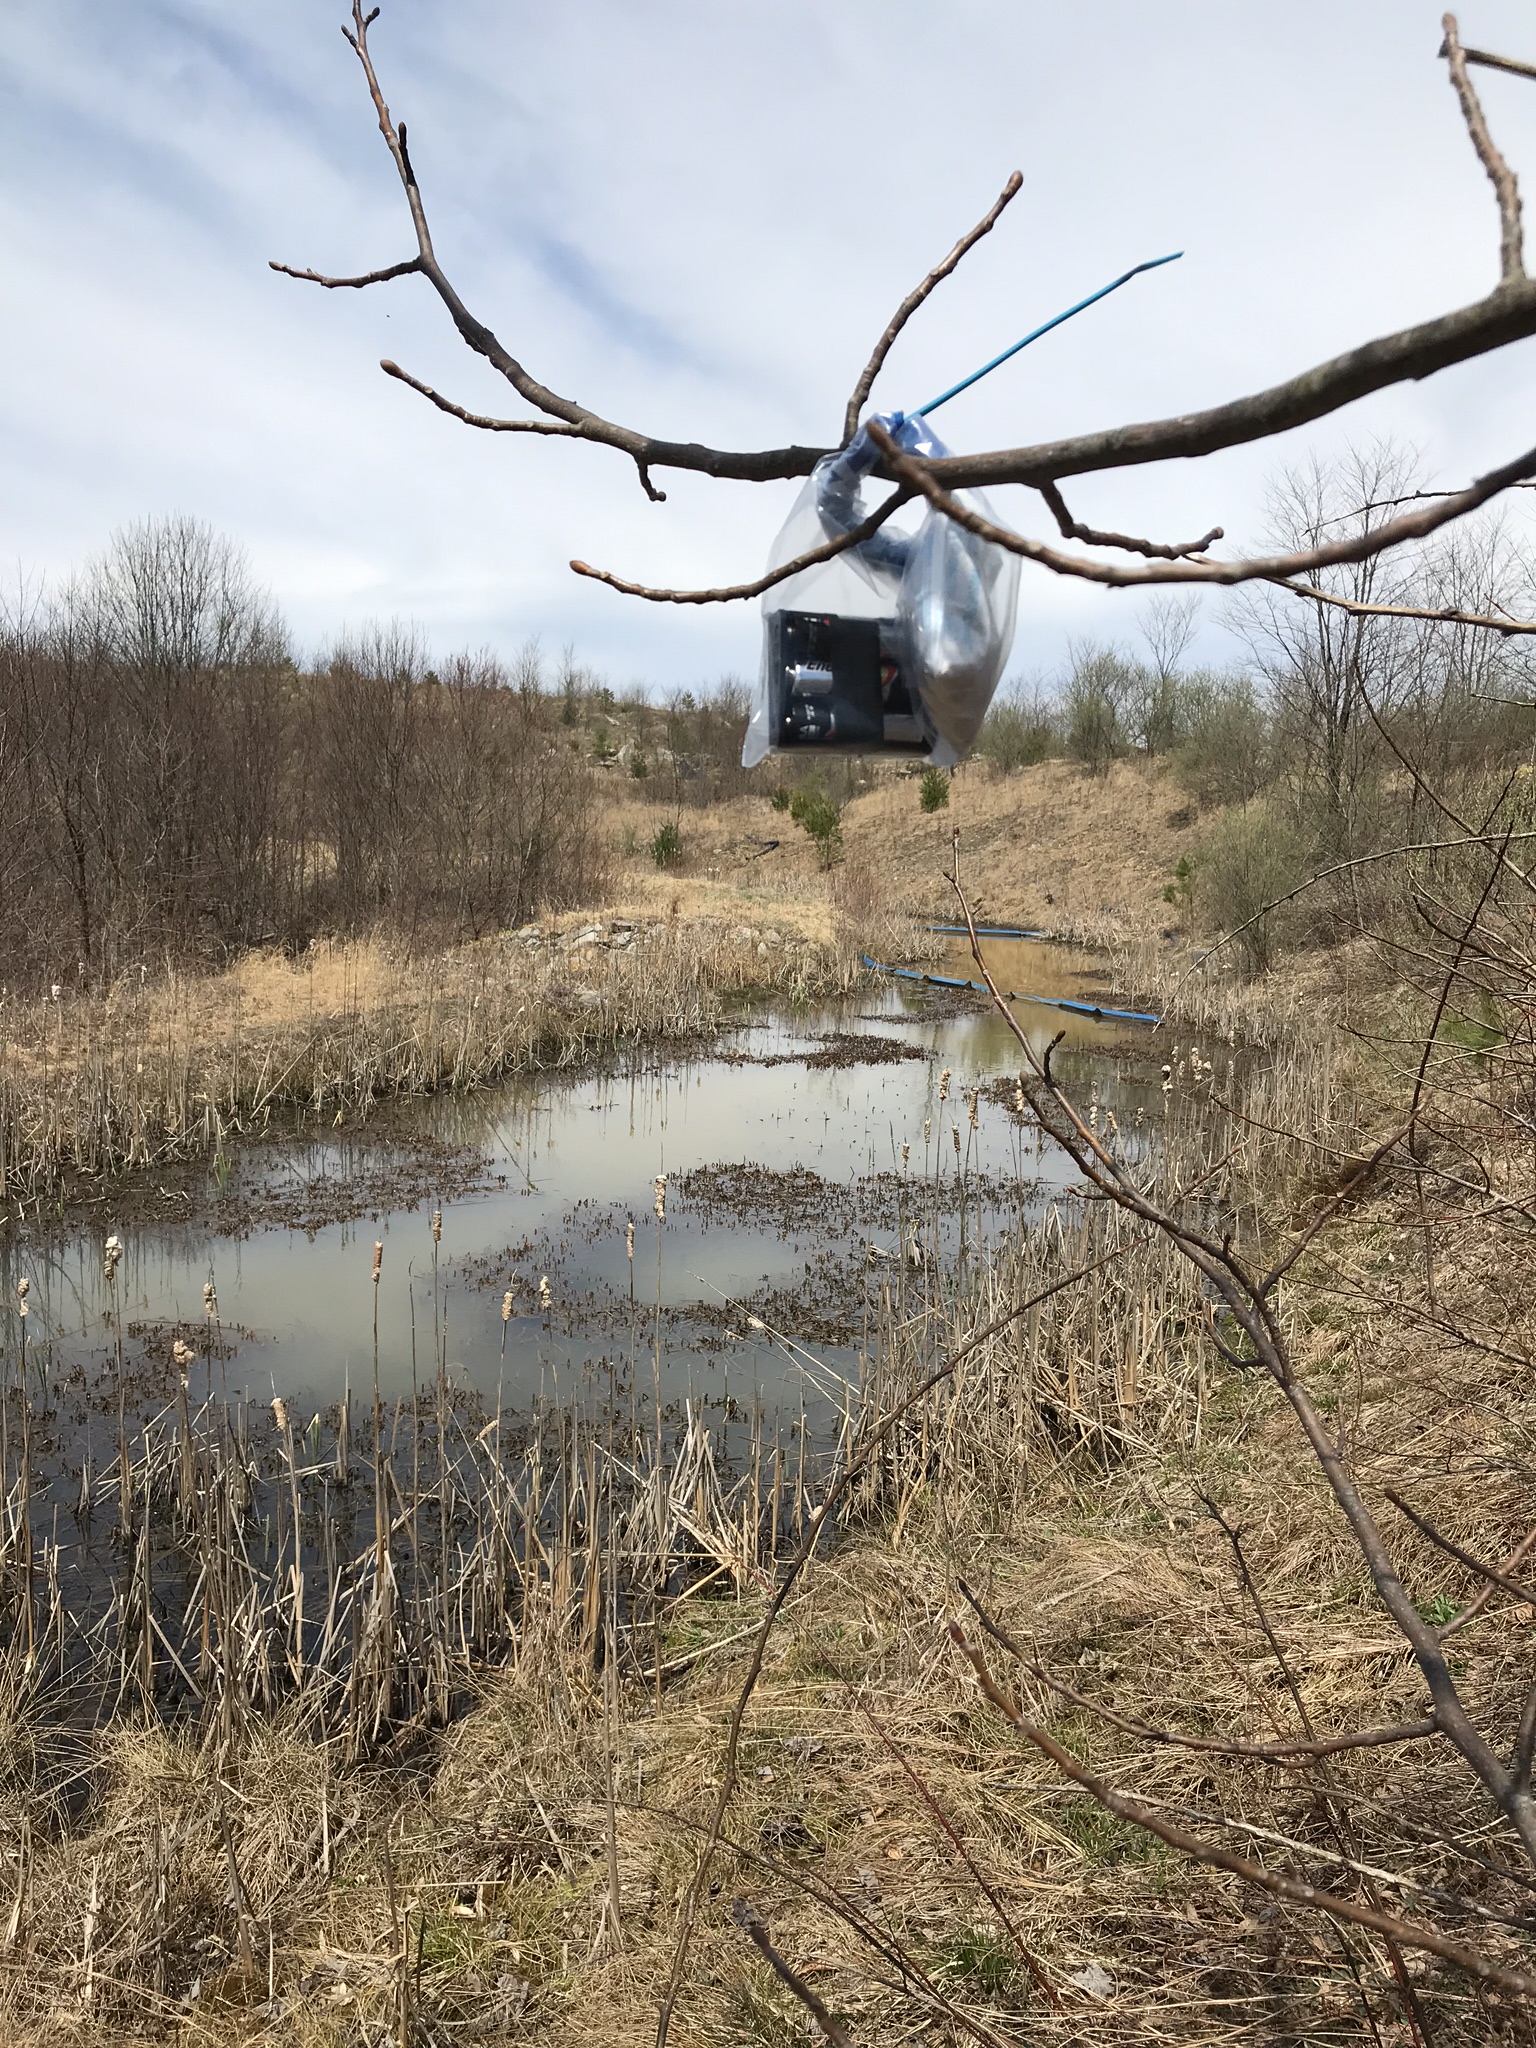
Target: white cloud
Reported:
point(696, 218)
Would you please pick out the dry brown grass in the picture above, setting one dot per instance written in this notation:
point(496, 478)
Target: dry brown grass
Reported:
point(1064, 1477)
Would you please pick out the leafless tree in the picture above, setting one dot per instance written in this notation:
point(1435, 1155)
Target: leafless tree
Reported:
point(1507, 314)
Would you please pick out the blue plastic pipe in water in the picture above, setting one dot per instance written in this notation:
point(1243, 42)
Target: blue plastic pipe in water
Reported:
point(1015, 995)
point(1082, 305)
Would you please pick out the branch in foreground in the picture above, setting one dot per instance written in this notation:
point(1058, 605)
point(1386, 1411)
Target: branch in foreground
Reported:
point(1507, 315)
point(915, 298)
point(410, 268)
point(755, 1928)
point(1463, 1557)
point(923, 477)
point(1073, 529)
point(1502, 178)
point(487, 422)
point(1220, 1745)
point(819, 1521)
point(1449, 615)
point(1293, 1890)
point(1031, 1961)
point(729, 593)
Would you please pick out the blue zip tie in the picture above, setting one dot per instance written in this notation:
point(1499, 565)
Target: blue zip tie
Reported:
point(1015, 995)
point(976, 375)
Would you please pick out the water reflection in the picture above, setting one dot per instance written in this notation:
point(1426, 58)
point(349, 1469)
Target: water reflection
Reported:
point(838, 1161)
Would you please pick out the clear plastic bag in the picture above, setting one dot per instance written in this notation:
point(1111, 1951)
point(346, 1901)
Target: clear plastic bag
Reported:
point(896, 645)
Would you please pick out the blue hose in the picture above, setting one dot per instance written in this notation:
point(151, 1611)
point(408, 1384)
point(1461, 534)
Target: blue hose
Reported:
point(987, 931)
point(1015, 995)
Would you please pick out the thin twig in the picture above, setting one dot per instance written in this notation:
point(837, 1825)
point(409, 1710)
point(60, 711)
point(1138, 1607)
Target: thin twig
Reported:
point(1220, 1745)
point(1293, 1890)
point(755, 1928)
point(729, 593)
point(915, 298)
point(1073, 529)
point(1502, 178)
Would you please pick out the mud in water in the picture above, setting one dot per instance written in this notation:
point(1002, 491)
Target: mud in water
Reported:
point(801, 1153)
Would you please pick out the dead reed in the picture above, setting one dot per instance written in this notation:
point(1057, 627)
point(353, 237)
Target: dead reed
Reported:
point(157, 1070)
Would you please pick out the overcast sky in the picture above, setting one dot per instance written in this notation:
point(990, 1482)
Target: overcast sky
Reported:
point(695, 216)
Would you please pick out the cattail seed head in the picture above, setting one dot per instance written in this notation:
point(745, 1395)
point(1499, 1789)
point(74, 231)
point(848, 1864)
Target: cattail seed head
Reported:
point(437, 1226)
point(944, 1085)
point(280, 1413)
point(506, 1306)
point(906, 1153)
point(975, 1109)
point(1018, 1098)
point(378, 1259)
point(954, 1132)
point(183, 1355)
point(660, 1188)
point(545, 1297)
point(210, 1300)
point(629, 1240)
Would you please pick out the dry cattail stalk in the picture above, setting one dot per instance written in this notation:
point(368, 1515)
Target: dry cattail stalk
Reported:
point(378, 1259)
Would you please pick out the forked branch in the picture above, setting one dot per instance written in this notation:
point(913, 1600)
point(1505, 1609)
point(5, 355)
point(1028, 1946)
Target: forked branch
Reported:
point(1508, 314)
point(1502, 178)
point(915, 298)
point(1295, 1891)
point(1073, 529)
point(1408, 526)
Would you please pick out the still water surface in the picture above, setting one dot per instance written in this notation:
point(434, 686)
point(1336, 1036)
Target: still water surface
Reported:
point(788, 1186)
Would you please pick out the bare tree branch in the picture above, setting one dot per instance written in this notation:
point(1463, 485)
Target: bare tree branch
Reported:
point(487, 422)
point(1449, 615)
point(924, 477)
point(410, 268)
point(819, 1521)
point(1511, 254)
point(1253, 1310)
point(1505, 1584)
point(1293, 1890)
point(1073, 529)
point(1219, 1745)
point(1507, 315)
point(755, 1928)
point(728, 593)
point(1498, 63)
point(915, 298)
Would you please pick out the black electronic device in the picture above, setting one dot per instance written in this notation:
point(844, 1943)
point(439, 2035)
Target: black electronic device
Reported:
point(830, 687)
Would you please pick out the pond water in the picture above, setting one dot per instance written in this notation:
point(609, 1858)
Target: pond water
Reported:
point(802, 1151)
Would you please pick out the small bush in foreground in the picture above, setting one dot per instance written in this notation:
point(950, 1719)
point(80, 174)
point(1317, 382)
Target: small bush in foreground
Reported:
point(935, 789)
point(667, 846)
